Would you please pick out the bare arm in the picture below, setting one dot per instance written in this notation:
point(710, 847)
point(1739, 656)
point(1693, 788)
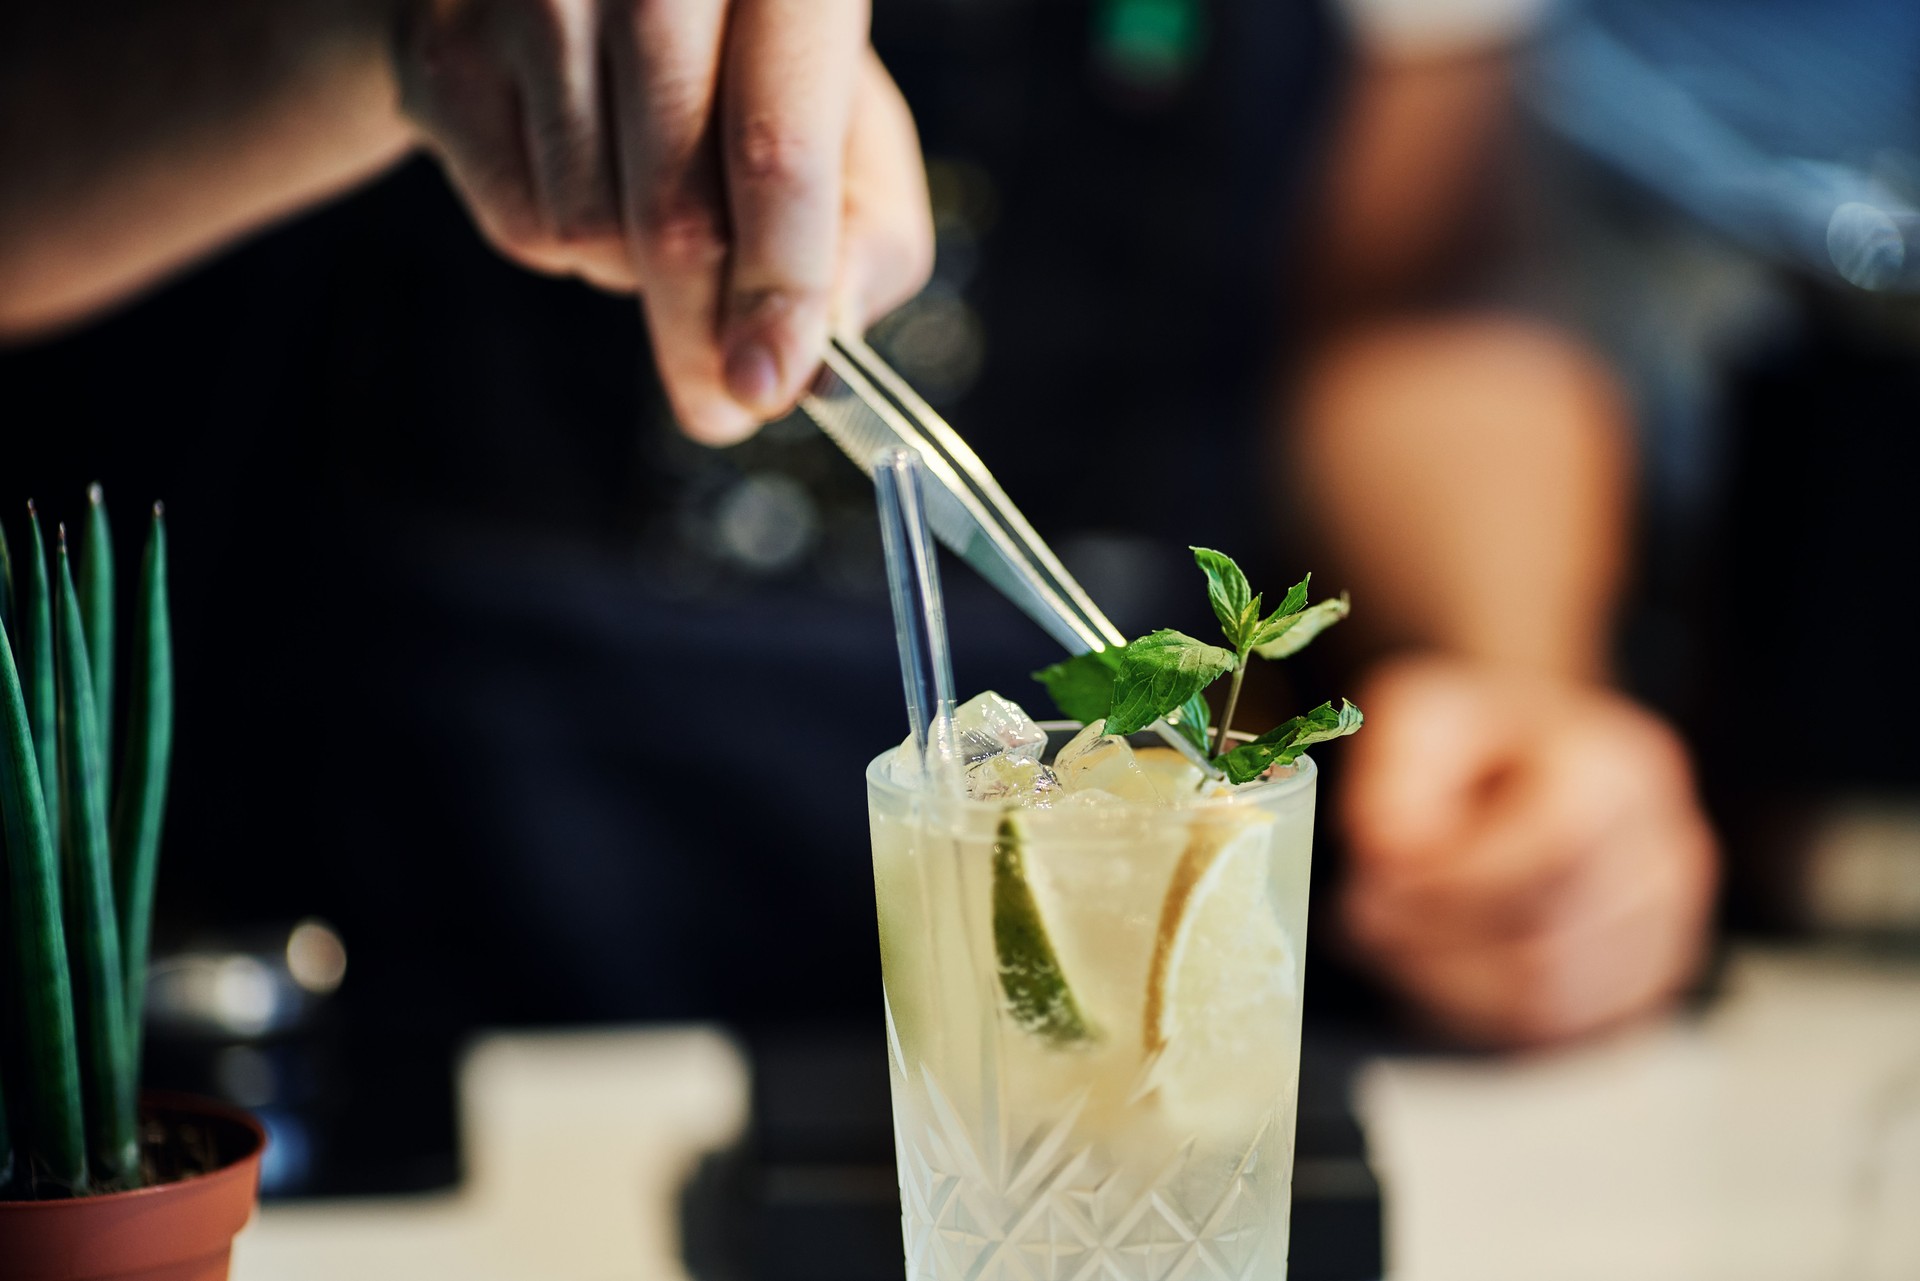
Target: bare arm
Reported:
point(1471, 475)
point(139, 135)
point(747, 166)
point(1528, 859)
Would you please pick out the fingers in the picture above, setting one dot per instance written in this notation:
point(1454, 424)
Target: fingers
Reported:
point(554, 45)
point(467, 106)
point(1567, 879)
point(666, 59)
point(504, 95)
point(703, 151)
point(887, 248)
point(1438, 737)
point(1520, 839)
point(788, 85)
point(1624, 950)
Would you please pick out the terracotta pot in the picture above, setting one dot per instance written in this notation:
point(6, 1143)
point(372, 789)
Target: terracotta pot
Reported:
point(174, 1232)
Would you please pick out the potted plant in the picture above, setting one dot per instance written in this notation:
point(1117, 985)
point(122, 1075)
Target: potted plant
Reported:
point(95, 1180)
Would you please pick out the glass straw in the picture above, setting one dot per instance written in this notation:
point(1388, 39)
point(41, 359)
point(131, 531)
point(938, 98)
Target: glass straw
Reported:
point(919, 616)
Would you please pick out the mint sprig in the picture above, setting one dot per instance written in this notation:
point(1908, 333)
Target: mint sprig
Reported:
point(1283, 744)
point(1165, 674)
point(1297, 629)
point(1158, 673)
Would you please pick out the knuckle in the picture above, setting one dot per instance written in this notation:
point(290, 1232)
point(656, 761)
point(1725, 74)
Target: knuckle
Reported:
point(679, 236)
point(592, 228)
point(767, 151)
point(652, 22)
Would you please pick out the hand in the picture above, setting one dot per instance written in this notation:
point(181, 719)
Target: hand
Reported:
point(747, 166)
point(1529, 860)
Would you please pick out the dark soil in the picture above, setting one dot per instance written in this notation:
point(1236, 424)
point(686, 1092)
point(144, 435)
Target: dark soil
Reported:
point(173, 1147)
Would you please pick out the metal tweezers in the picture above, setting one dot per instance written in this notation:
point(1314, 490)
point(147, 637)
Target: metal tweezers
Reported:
point(868, 409)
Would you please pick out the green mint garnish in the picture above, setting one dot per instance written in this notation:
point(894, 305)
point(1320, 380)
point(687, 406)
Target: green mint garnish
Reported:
point(1191, 718)
point(1158, 673)
point(1082, 686)
point(1283, 745)
point(1165, 674)
point(1297, 629)
point(1233, 601)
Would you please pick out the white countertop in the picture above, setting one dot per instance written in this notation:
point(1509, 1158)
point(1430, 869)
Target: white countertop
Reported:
point(576, 1146)
point(1777, 1136)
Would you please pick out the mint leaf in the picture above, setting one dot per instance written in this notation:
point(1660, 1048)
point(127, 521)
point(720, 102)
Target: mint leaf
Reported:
point(1280, 637)
point(1295, 601)
point(1191, 718)
point(1158, 673)
point(1233, 601)
point(1082, 686)
point(1281, 746)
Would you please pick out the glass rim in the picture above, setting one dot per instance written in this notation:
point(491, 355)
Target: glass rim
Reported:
point(1298, 776)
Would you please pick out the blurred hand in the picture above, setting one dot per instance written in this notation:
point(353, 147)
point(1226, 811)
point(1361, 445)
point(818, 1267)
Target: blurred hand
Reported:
point(746, 165)
point(1529, 860)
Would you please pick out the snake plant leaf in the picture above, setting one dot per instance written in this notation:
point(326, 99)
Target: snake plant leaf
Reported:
point(51, 1139)
point(8, 597)
point(100, 1003)
point(96, 611)
point(140, 804)
point(38, 662)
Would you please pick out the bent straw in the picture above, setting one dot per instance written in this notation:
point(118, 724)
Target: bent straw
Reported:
point(919, 616)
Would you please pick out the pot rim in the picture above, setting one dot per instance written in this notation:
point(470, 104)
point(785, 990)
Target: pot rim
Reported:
point(164, 1101)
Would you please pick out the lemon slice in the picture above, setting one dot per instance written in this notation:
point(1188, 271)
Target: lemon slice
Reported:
point(1035, 986)
point(1223, 987)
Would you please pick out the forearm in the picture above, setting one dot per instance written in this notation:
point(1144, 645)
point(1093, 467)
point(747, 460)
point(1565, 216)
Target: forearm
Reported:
point(1468, 473)
point(138, 135)
point(1471, 479)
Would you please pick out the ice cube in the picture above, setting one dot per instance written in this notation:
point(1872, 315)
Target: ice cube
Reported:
point(1096, 760)
point(1013, 780)
point(1088, 798)
point(993, 734)
point(987, 726)
point(1172, 775)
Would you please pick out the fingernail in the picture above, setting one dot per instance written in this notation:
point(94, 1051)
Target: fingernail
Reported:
point(752, 377)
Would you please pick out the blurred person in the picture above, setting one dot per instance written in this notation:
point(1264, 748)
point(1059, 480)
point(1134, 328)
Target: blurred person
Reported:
point(1591, 323)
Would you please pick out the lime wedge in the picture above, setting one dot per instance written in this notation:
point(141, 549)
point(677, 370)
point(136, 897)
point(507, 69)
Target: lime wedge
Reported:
point(1036, 987)
point(1222, 980)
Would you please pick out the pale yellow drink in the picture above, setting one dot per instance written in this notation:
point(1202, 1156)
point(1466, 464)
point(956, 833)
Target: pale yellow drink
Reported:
point(1093, 1015)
